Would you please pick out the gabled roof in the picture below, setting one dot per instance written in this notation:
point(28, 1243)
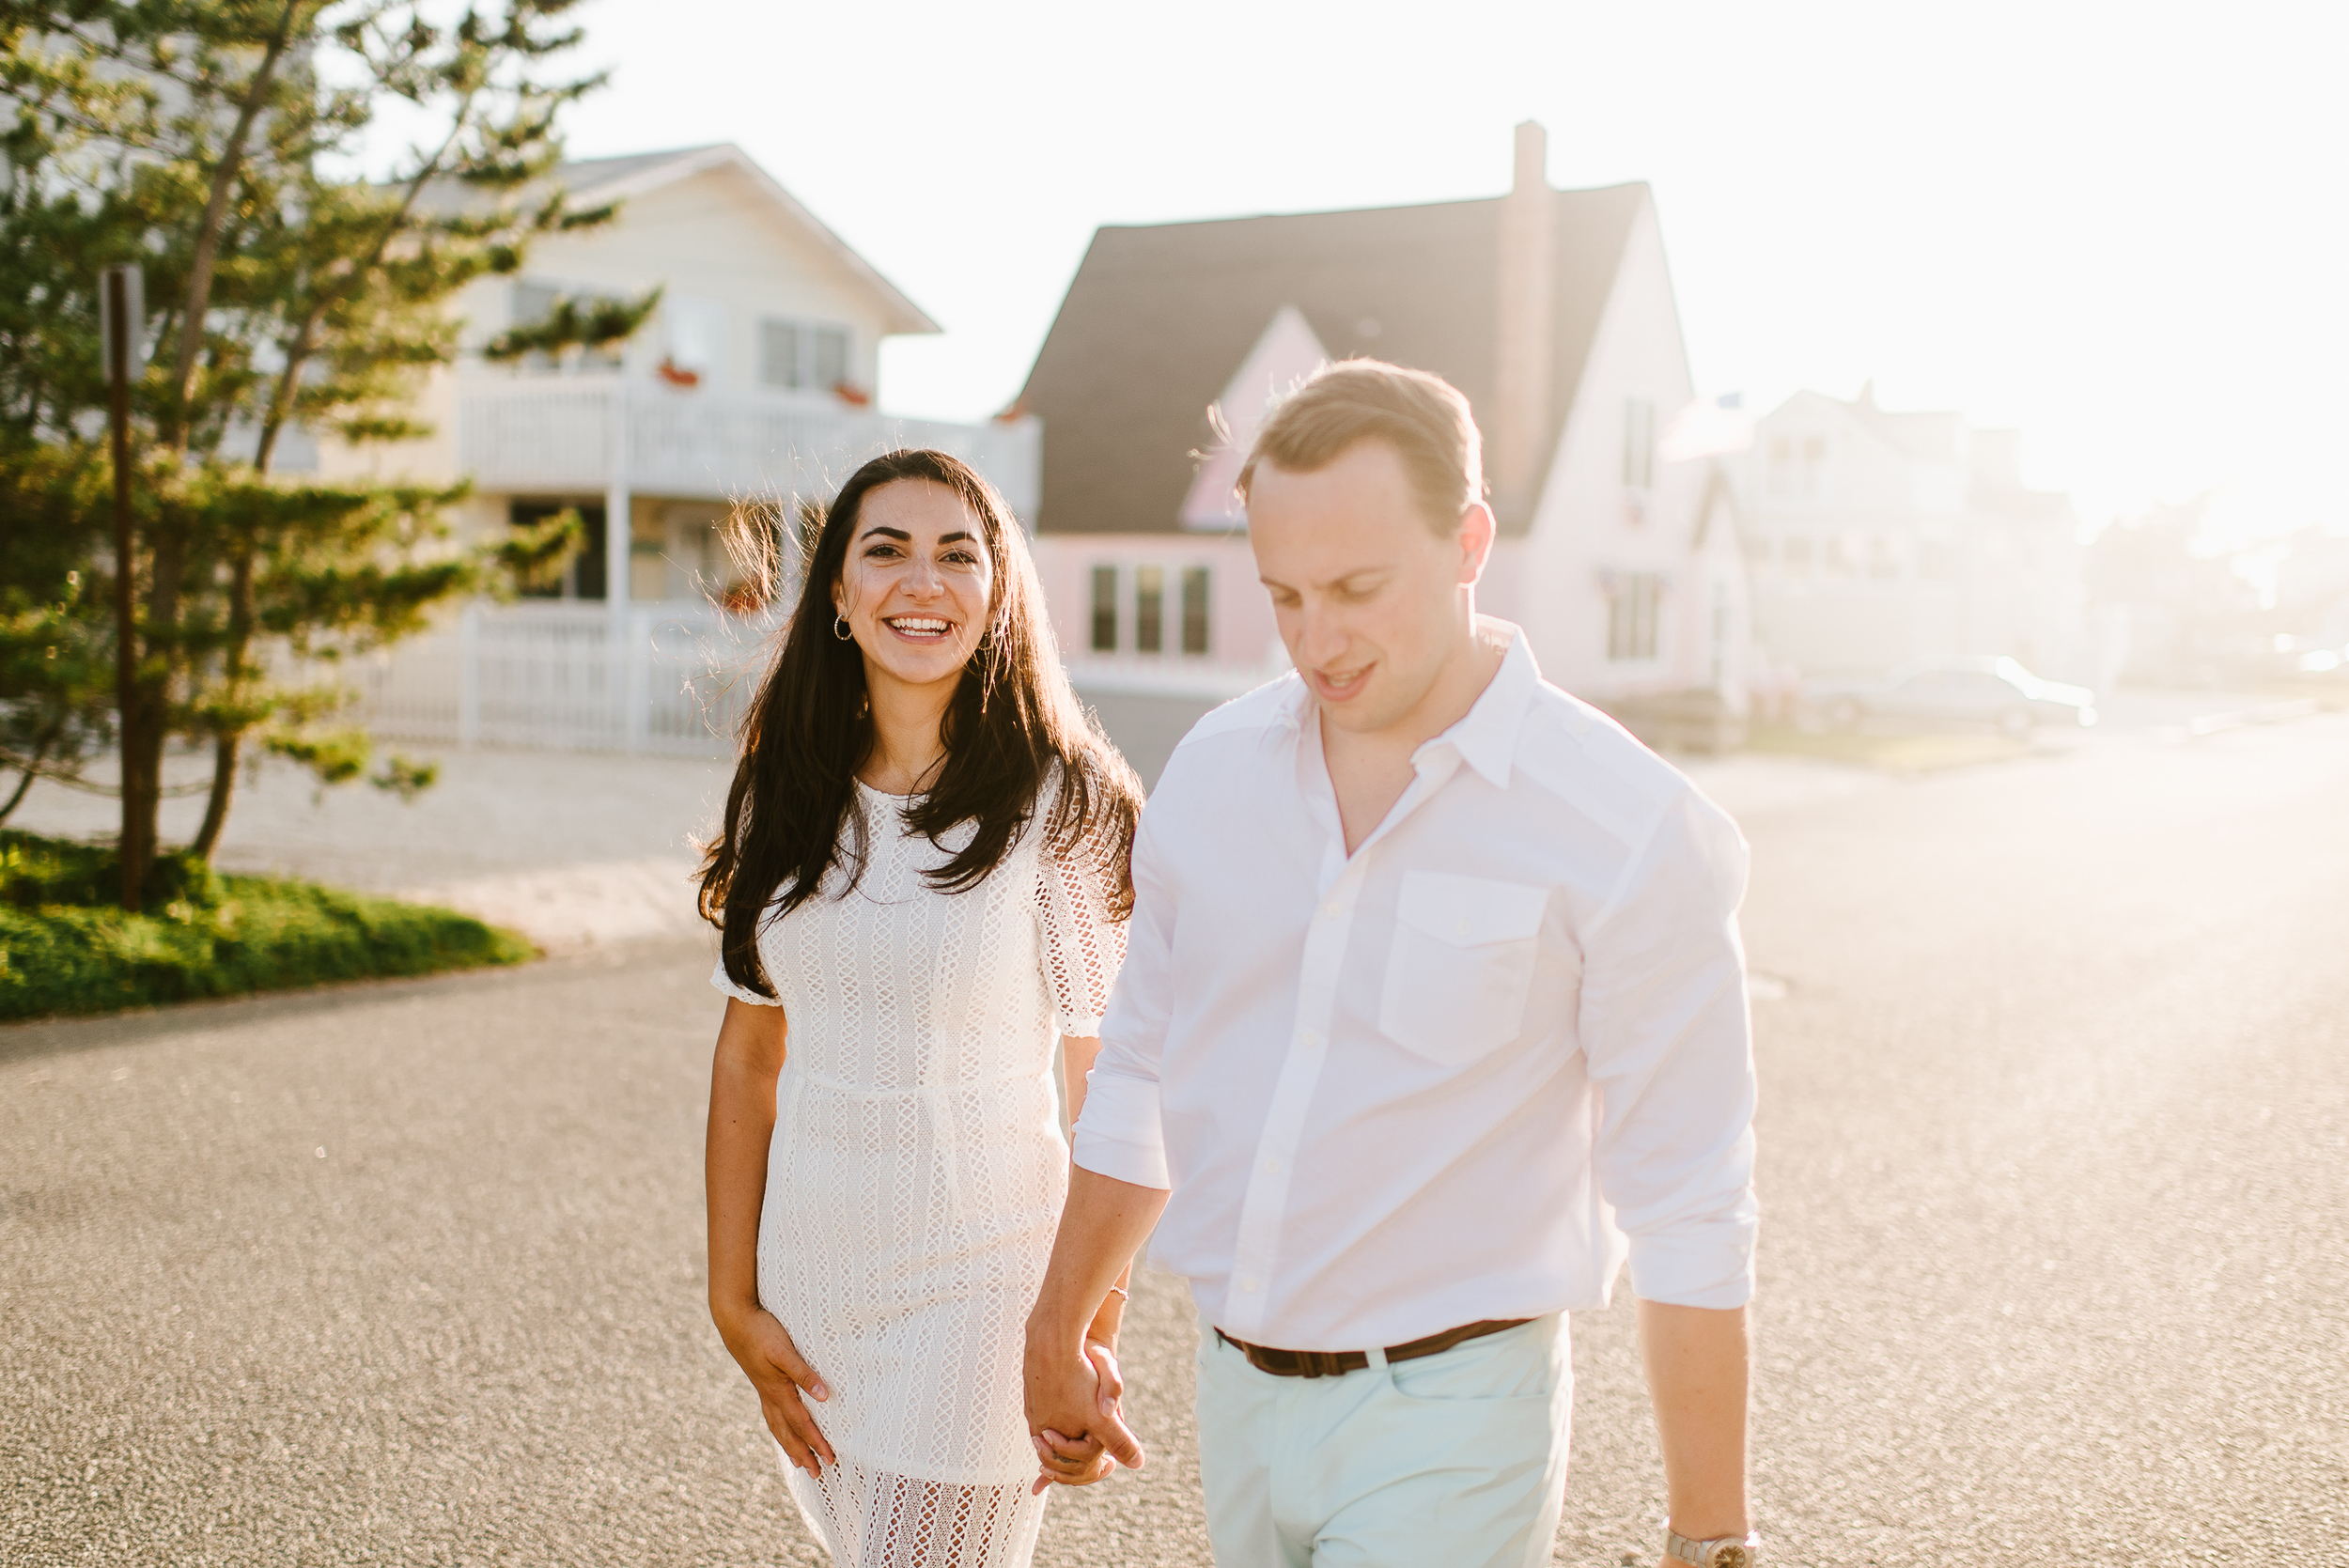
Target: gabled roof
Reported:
point(1285, 356)
point(600, 179)
point(593, 181)
point(1157, 319)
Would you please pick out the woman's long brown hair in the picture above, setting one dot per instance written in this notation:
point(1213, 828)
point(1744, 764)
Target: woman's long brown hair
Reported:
point(1013, 720)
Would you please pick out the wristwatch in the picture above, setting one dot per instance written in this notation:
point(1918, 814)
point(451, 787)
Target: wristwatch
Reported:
point(1727, 1551)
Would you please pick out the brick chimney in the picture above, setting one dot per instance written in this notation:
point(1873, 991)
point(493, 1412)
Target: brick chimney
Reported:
point(1518, 429)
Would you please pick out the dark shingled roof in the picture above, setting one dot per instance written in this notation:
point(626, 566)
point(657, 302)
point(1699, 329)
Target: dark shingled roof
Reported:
point(1159, 318)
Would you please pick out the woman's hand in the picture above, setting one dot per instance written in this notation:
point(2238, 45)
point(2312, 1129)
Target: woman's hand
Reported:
point(1105, 1443)
point(763, 1349)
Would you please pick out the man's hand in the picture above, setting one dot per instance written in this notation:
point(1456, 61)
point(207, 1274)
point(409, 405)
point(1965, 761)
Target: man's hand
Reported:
point(1072, 1379)
point(763, 1349)
point(1073, 1416)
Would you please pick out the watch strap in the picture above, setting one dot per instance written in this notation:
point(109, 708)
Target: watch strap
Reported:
point(1742, 1551)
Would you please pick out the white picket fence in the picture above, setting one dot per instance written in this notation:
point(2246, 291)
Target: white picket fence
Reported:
point(666, 680)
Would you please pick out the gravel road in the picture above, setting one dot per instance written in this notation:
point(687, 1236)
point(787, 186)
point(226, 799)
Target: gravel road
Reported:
point(2056, 1258)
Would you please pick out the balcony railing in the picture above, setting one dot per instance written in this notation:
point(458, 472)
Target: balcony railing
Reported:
point(669, 680)
point(553, 434)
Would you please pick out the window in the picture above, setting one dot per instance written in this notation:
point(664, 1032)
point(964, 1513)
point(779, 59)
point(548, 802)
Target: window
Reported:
point(534, 303)
point(696, 333)
point(779, 353)
point(1936, 560)
point(801, 354)
point(584, 577)
point(1796, 552)
point(1638, 443)
point(831, 357)
point(1798, 466)
point(1149, 609)
point(1720, 635)
point(1194, 610)
point(1631, 615)
point(1833, 559)
point(1882, 563)
point(1105, 610)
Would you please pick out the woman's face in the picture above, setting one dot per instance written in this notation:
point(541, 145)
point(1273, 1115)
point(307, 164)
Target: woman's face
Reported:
point(918, 583)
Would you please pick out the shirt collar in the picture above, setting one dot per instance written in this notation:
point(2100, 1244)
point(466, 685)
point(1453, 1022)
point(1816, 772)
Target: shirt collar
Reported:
point(1486, 735)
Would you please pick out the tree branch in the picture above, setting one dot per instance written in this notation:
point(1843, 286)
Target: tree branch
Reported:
point(173, 433)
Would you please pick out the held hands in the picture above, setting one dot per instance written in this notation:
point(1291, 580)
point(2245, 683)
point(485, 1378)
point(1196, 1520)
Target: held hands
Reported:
point(763, 1349)
point(1074, 1417)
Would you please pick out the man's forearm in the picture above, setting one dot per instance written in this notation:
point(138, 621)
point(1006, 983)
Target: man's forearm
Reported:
point(1103, 1226)
point(1697, 1374)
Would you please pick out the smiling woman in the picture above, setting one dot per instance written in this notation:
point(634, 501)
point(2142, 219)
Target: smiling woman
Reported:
point(920, 660)
point(922, 879)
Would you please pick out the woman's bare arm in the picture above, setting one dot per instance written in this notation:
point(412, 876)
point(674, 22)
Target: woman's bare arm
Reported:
point(742, 1073)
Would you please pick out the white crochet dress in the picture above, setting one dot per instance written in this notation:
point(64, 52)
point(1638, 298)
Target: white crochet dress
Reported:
point(916, 1178)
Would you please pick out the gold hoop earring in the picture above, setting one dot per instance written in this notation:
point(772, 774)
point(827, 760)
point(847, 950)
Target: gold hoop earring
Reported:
point(840, 628)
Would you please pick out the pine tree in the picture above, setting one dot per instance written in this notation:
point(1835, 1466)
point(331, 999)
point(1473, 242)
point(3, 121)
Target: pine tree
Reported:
point(207, 140)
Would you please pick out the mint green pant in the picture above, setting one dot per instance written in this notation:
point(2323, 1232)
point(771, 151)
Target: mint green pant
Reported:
point(1456, 1460)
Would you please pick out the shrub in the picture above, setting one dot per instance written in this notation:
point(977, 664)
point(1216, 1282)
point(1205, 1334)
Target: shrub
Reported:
point(67, 946)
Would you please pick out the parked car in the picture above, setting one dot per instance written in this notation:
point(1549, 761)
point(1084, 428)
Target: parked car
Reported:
point(1968, 689)
point(2300, 659)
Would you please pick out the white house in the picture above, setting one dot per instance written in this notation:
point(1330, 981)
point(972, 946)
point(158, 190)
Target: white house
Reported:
point(1879, 537)
point(1551, 310)
point(756, 380)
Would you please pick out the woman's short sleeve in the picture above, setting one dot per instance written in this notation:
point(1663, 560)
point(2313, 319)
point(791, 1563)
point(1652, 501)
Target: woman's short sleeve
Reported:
point(718, 978)
point(1083, 942)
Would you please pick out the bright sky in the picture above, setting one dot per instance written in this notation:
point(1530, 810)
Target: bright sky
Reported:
point(2122, 226)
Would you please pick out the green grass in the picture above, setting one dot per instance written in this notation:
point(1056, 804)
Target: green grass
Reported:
point(1894, 753)
point(67, 946)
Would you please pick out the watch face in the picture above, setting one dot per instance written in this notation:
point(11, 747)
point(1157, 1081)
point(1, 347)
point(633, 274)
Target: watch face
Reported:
point(1731, 1557)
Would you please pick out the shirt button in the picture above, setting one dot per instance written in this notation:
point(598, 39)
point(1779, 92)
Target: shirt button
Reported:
point(1462, 927)
point(1329, 907)
point(1307, 1037)
point(1272, 1167)
point(1248, 1286)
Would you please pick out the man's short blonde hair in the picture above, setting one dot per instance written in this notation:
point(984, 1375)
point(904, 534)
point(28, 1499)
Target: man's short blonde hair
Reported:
point(1424, 418)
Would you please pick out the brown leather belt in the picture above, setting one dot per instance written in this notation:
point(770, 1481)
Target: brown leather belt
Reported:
point(1336, 1363)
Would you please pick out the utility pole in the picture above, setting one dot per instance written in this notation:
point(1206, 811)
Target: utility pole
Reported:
point(122, 311)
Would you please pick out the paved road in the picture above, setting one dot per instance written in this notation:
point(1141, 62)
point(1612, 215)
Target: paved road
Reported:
point(2056, 1267)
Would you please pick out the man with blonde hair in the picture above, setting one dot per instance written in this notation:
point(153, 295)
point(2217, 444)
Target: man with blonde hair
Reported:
point(1433, 1015)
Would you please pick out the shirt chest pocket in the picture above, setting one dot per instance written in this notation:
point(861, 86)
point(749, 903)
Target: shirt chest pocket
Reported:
point(1461, 965)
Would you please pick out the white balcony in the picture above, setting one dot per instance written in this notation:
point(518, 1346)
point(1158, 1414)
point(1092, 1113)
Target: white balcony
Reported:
point(662, 678)
point(523, 434)
point(668, 680)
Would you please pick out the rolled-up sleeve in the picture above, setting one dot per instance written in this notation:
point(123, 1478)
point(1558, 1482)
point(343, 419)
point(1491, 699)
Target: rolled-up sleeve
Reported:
point(1120, 1134)
point(1665, 1029)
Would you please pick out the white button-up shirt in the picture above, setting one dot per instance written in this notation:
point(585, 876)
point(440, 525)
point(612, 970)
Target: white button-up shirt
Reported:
point(1459, 1074)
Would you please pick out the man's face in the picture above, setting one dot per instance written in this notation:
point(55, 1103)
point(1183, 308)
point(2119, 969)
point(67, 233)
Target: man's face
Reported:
point(1371, 603)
